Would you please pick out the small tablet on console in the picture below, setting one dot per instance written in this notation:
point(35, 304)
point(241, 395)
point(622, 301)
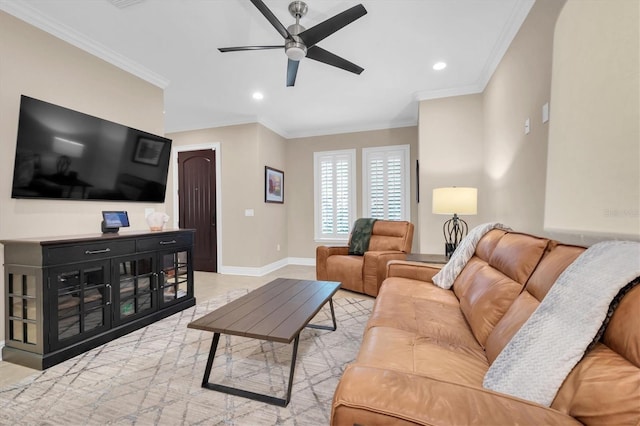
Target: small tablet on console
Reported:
point(114, 220)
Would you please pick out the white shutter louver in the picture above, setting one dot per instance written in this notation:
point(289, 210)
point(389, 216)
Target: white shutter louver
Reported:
point(386, 183)
point(335, 194)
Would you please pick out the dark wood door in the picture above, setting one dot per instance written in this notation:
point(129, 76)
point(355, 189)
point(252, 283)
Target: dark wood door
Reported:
point(197, 204)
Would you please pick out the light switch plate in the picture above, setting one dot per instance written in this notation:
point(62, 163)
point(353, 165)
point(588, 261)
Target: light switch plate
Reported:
point(545, 112)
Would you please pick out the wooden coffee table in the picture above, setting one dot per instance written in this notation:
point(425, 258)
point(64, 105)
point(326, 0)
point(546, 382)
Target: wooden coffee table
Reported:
point(276, 312)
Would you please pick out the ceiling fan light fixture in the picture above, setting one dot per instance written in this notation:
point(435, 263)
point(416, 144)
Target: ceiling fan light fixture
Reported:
point(295, 50)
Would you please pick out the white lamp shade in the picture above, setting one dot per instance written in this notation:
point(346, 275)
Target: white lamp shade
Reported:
point(454, 200)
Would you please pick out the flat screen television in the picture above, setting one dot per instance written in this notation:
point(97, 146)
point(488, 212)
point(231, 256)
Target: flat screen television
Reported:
point(66, 154)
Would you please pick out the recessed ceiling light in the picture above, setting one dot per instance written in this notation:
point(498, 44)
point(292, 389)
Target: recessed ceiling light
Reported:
point(258, 96)
point(439, 66)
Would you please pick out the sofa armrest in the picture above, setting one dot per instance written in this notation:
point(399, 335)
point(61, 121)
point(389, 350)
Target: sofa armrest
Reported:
point(322, 254)
point(374, 396)
point(412, 270)
point(375, 268)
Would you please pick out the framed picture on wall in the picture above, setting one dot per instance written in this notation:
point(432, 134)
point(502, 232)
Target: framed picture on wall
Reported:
point(273, 185)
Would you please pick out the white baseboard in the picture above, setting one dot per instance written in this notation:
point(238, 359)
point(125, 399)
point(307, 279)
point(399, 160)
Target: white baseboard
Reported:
point(264, 270)
point(304, 261)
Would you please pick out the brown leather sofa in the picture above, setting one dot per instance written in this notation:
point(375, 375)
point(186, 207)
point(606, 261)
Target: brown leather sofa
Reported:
point(426, 350)
point(390, 240)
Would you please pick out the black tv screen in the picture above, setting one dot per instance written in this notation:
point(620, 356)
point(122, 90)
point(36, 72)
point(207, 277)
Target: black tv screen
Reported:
point(65, 154)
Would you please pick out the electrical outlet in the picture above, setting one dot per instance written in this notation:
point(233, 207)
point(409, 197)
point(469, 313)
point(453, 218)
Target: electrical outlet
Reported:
point(277, 247)
point(527, 126)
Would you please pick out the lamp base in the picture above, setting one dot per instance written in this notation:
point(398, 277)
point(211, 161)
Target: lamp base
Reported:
point(449, 248)
point(454, 231)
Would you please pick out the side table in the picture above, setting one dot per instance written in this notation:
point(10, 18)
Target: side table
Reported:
point(439, 259)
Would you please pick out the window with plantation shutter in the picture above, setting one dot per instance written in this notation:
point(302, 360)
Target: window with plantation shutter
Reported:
point(334, 194)
point(386, 183)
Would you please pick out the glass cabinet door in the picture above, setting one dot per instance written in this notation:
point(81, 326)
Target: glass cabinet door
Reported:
point(80, 302)
point(23, 309)
point(174, 276)
point(135, 280)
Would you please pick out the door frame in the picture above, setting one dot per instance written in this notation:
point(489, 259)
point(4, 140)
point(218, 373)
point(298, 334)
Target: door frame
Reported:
point(214, 146)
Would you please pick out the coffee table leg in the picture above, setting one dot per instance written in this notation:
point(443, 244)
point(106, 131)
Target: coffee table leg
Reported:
point(212, 355)
point(282, 402)
point(326, 327)
point(293, 368)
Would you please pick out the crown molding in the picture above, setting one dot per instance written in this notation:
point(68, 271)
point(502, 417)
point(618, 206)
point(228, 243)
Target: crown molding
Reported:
point(296, 135)
point(33, 17)
point(425, 95)
point(518, 14)
point(353, 129)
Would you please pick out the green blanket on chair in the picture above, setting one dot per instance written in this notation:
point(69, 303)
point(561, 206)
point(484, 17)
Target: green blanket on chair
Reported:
point(360, 236)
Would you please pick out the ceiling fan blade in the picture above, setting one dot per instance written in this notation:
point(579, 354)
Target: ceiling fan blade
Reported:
point(324, 29)
point(319, 54)
point(241, 48)
point(292, 72)
point(271, 18)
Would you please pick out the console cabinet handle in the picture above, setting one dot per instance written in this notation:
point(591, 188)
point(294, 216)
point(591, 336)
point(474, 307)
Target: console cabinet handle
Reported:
point(168, 242)
point(110, 294)
point(107, 250)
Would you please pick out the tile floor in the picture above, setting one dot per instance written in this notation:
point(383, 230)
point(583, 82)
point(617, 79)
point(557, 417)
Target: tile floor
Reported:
point(207, 285)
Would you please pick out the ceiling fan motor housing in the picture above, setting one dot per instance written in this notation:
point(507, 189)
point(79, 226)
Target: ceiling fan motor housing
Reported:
point(298, 9)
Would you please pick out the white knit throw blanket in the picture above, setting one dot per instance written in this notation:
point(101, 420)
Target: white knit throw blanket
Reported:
point(463, 253)
point(543, 352)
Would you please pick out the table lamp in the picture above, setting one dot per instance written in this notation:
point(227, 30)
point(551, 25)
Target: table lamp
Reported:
point(455, 201)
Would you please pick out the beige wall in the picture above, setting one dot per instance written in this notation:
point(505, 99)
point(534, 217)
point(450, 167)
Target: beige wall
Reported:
point(299, 160)
point(515, 162)
point(451, 148)
point(36, 64)
point(247, 241)
point(272, 216)
point(593, 177)
point(479, 140)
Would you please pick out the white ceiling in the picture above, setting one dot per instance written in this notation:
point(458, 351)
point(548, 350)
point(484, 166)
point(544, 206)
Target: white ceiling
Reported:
point(173, 44)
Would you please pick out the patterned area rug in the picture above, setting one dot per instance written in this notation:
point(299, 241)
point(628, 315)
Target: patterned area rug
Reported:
point(153, 376)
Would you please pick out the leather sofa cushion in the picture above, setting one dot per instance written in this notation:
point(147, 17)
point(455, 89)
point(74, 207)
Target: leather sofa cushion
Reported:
point(623, 332)
point(603, 388)
point(426, 311)
point(390, 235)
point(609, 375)
point(546, 273)
point(383, 397)
point(405, 351)
point(492, 279)
point(517, 255)
point(517, 314)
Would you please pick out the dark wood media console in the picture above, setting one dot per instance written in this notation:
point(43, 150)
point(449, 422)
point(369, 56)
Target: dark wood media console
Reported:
point(66, 295)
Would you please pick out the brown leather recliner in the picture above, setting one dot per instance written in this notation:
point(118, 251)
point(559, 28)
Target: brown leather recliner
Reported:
point(390, 240)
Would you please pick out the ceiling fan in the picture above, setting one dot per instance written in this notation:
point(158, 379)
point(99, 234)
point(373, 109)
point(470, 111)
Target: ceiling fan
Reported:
point(300, 42)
